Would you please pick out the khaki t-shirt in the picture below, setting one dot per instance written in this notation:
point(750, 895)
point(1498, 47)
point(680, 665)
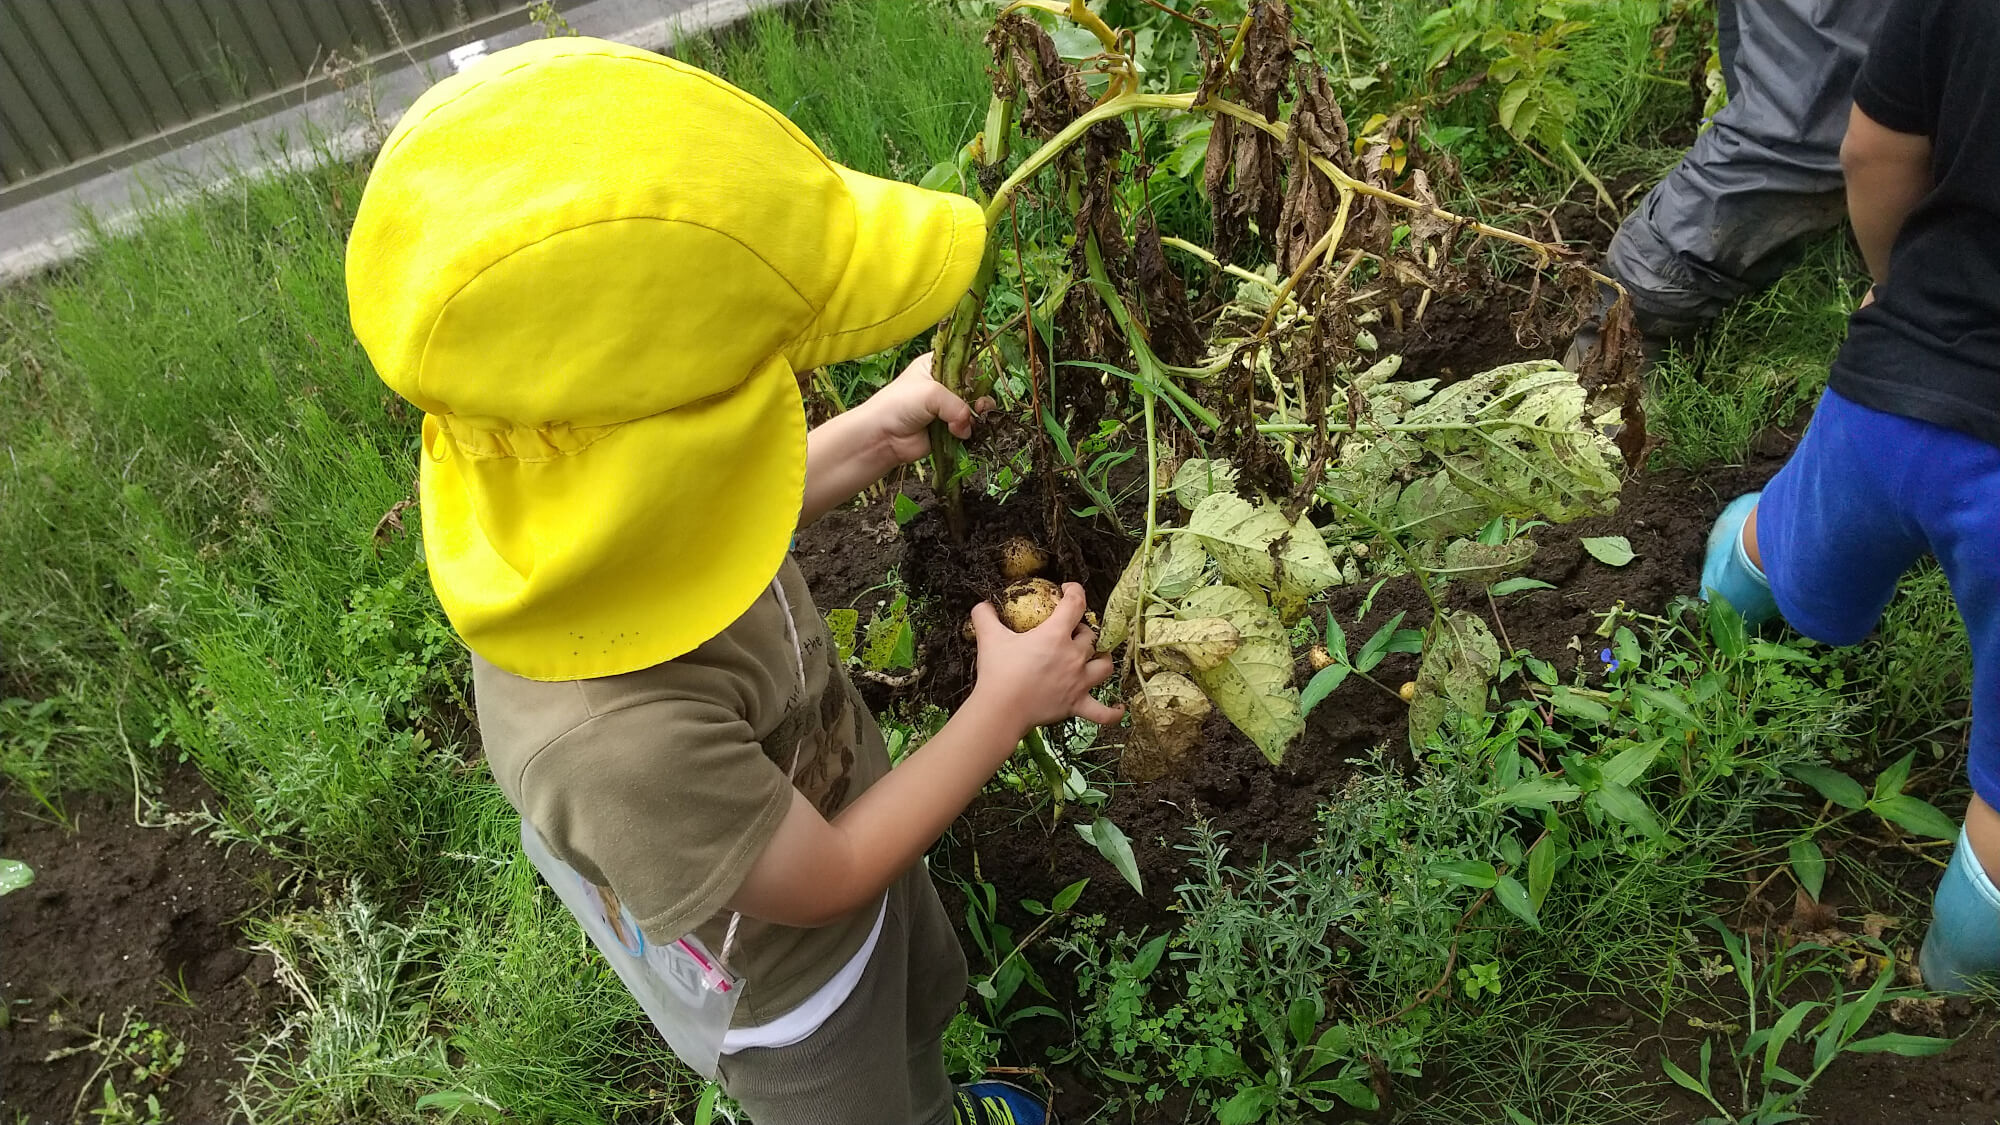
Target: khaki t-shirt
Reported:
point(664, 785)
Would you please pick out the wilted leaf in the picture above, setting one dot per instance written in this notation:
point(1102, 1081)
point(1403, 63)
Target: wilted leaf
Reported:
point(1255, 547)
point(1516, 585)
point(1176, 567)
point(1253, 685)
point(1458, 665)
point(1181, 565)
point(841, 625)
point(1196, 479)
point(1436, 506)
point(1519, 439)
point(1611, 550)
point(1203, 642)
point(1166, 723)
point(1485, 562)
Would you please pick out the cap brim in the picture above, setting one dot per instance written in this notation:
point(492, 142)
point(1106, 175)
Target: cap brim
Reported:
point(611, 557)
point(915, 254)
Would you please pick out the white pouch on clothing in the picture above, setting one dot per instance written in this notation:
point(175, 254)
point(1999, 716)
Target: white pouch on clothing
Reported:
point(683, 988)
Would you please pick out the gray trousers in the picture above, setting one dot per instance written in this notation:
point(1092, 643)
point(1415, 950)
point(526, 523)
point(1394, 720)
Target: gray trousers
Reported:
point(1764, 174)
point(877, 1060)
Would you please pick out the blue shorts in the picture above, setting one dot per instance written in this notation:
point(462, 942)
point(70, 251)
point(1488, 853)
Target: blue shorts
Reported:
point(1864, 497)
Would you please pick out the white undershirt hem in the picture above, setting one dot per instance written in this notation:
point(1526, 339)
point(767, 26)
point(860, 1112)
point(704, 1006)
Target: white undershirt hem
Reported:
point(798, 1024)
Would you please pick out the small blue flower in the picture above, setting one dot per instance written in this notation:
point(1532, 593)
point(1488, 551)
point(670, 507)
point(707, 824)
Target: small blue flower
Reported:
point(1610, 662)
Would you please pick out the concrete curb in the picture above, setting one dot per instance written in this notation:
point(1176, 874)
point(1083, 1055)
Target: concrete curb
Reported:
point(39, 234)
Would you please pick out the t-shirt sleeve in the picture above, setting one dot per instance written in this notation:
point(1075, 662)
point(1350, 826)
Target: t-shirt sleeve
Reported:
point(1903, 75)
point(671, 801)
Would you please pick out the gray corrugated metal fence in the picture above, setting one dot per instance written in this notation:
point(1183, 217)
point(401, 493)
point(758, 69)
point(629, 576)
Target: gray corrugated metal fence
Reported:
point(85, 82)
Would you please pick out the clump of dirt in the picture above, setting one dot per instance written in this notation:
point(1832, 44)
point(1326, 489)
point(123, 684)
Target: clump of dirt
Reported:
point(125, 918)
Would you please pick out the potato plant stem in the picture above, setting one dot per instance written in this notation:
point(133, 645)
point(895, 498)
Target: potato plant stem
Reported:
point(1327, 241)
point(1407, 427)
point(954, 342)
point(1055, 146)
point(954, 354)
point(1544, 253)
point(1216, 263)
point(1152, 375)
point(1146, 399)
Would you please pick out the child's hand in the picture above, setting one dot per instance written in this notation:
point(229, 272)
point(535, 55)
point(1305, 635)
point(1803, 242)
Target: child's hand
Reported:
point(1046, 674)
point(906, 407)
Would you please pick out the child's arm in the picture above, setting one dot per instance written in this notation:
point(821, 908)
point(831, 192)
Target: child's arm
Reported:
point(815, 871)
point(1888, 174)
point(858, 448)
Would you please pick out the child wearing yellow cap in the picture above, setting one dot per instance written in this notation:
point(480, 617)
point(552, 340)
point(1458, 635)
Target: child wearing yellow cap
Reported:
point(600, 274)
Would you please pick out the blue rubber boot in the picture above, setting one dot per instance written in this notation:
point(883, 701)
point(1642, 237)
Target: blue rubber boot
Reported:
point(1727, 571)
point(998, 1103)
point(1964, 939)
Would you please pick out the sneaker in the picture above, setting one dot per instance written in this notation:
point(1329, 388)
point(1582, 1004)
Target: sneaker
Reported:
point(1727, 571)
point(998, 1103)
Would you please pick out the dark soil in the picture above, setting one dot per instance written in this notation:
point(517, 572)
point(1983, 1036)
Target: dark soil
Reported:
point(850, 553)
point(118, 920)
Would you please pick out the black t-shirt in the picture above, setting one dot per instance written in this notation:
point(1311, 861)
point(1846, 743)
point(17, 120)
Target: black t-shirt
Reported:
point(1929, 347)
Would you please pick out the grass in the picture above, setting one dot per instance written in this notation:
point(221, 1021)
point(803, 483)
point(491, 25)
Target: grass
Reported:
point(203, 564)
point(1763, 364)
point(922, 65)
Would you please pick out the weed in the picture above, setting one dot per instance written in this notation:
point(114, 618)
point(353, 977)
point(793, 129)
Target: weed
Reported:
point(140, 1057)
point(361, 1037)
point(1007, 968)
point(1774, 1022)
point(971, 1046)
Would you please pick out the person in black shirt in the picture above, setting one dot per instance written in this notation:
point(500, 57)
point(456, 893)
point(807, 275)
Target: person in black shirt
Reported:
point(1903, 455)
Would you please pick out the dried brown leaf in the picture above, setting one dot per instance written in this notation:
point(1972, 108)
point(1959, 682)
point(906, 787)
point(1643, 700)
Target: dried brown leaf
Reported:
point(1048, 93)
point(1169, 319)
point(1167, 716)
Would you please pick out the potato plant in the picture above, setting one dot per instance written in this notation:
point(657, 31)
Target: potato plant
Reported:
point(1314, 464)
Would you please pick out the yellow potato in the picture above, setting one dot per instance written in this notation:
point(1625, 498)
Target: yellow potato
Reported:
point(1020, 558)
point(1028, 604)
